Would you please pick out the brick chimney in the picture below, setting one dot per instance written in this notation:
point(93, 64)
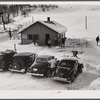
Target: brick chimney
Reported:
point(48, 19)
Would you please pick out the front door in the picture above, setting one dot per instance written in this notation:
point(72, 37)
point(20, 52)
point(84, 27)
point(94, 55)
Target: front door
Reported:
point(47, 36)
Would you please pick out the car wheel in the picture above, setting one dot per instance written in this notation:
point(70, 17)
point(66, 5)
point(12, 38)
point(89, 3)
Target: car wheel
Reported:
point(80, 70)
point(72, 78)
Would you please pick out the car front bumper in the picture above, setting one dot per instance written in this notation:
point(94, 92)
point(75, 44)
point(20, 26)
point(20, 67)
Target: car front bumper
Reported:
point(62, 79)
point(35, 74)
point(1, 69)
point(14, 70)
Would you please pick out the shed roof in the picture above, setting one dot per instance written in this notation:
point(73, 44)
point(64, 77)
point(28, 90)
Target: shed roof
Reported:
point(52, 25)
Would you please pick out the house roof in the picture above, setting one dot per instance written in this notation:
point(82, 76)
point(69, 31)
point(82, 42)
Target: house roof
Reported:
point(55, 26)
point(52, 25)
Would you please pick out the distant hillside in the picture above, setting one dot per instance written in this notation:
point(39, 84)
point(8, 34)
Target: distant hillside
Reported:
point(75, 7)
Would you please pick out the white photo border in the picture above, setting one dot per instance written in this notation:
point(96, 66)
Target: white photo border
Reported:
point(49, 94)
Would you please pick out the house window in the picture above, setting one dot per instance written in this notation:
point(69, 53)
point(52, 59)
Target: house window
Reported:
point(29, 37)
point(36, 37)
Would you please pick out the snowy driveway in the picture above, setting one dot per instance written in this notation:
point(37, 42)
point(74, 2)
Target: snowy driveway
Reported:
point(18, 81)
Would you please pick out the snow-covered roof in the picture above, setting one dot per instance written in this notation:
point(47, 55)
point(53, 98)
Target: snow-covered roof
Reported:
point(55, 26)
point(52, 25)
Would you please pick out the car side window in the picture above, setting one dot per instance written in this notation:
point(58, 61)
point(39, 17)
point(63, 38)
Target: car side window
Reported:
point(32, 57)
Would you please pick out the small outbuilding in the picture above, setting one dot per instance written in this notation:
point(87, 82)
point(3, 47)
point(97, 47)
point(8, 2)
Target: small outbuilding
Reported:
point(41, 31)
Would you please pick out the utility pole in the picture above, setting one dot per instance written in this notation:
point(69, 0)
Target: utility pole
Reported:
point(32, 19)
point(86, 22)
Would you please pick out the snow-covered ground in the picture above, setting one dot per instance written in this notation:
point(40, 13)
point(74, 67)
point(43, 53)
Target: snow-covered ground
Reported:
point(72, 17)
point(19, 81)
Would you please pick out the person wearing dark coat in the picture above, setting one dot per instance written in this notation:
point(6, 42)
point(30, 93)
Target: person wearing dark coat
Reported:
point(56, 41)
point(75, 53)
point(63, 41)
point(10, 34)
point(49, 43)
point(97, 40)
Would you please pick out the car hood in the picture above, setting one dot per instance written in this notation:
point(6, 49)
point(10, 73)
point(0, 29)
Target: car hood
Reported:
point(64, 72)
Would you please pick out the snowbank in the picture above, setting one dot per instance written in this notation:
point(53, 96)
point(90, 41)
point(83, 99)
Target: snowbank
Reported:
point(95, 85)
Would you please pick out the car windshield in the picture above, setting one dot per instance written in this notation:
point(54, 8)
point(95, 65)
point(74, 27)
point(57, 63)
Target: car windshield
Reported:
point(19, 58)
point(41, 60)
point(67, 63)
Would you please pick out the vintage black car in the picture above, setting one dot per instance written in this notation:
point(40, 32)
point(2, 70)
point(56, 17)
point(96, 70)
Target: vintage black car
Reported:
point(41, 66)
point(6, 59)
point(22, 61)
point(67, 70)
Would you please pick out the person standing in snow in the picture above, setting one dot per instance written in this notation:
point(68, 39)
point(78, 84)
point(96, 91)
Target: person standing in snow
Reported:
point(97, 40)
point(53, 64)
point(60, 42)
point(63, 41)
point(75, 53)
point(49, 43)
point(10, 34)
point(56, 41)
point(62, 45)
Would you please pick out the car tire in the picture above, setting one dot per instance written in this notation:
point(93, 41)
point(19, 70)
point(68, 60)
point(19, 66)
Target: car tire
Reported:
point(81, 67)
point(72, 78)
point(81, 70)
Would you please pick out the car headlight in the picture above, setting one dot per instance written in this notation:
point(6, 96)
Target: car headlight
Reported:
point(23, 70)
point(15, 66)
point(34, 69)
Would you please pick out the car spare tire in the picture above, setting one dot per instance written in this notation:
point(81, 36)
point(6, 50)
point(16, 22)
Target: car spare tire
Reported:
point(72, 78)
